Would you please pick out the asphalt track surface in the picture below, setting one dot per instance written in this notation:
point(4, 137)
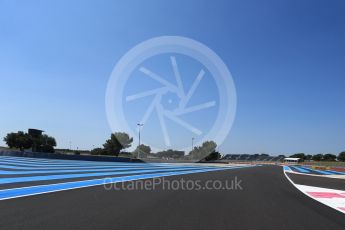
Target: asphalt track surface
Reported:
point(267, 201)
point(323, 182)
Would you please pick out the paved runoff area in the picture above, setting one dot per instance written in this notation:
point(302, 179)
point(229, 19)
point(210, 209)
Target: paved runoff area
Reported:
point(308, 170)
point(26, 176)
point(63, 194)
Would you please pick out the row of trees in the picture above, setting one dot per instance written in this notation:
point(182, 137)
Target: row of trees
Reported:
point(120, 141)
point(321, 157)
point(114, 146)
point(21, 140)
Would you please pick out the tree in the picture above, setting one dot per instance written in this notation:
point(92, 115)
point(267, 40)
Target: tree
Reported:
point(341, 156)
point(329, 157)
point(317, 157)
point(170, 153)
point(256, 155)
point(18, 140)
point(98, 151)
point(213, 156)
point(298, 155)
point(21, 140)
point(117, 142)
point(308, 157)
point(143, 150)
point(204, 150)
point(44, 143)
point(48, 140)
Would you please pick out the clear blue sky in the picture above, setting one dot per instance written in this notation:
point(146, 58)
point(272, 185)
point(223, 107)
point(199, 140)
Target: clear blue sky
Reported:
point(287, 59)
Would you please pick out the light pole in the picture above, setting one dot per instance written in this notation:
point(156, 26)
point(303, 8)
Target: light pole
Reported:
point(193, 143)
point(139, 126)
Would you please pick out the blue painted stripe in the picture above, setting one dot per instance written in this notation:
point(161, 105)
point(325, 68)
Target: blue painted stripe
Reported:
point(65, 167)
point(52, 171)
point(83, 175)
point(300, 169)
point(86, 166)
point(25, 165)
point(58, 165)
point(336, 172)
point(326, 172)
point(35, 167)
point(63, 162)
point(62, 166)
point(32, 160)
point(29, 159)
point(318, 171)
point(287, 168)
point(76, 163)
point(34, 190)
point(42, 160)
point(39, 162)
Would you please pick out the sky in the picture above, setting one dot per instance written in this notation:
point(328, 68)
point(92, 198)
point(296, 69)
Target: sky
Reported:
point(286, 57)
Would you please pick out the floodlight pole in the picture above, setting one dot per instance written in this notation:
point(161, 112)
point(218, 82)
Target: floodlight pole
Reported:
point(193, 143)
point(139, 126)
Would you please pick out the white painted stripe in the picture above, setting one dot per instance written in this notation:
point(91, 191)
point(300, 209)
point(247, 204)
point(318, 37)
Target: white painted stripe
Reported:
point(332, 197)
point(335, 203)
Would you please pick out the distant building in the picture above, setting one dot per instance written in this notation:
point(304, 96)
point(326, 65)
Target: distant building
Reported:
point(292, 160)
point(35, 132)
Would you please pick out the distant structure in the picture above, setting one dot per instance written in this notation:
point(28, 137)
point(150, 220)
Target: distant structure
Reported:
point(253, 157)
point(292, 160)
point(35, 133)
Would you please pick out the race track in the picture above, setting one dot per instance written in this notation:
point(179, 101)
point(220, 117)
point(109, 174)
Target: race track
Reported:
point(267, 200)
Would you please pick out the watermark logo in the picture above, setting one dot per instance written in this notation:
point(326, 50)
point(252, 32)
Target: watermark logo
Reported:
point(181, 184)
point(177, 89)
